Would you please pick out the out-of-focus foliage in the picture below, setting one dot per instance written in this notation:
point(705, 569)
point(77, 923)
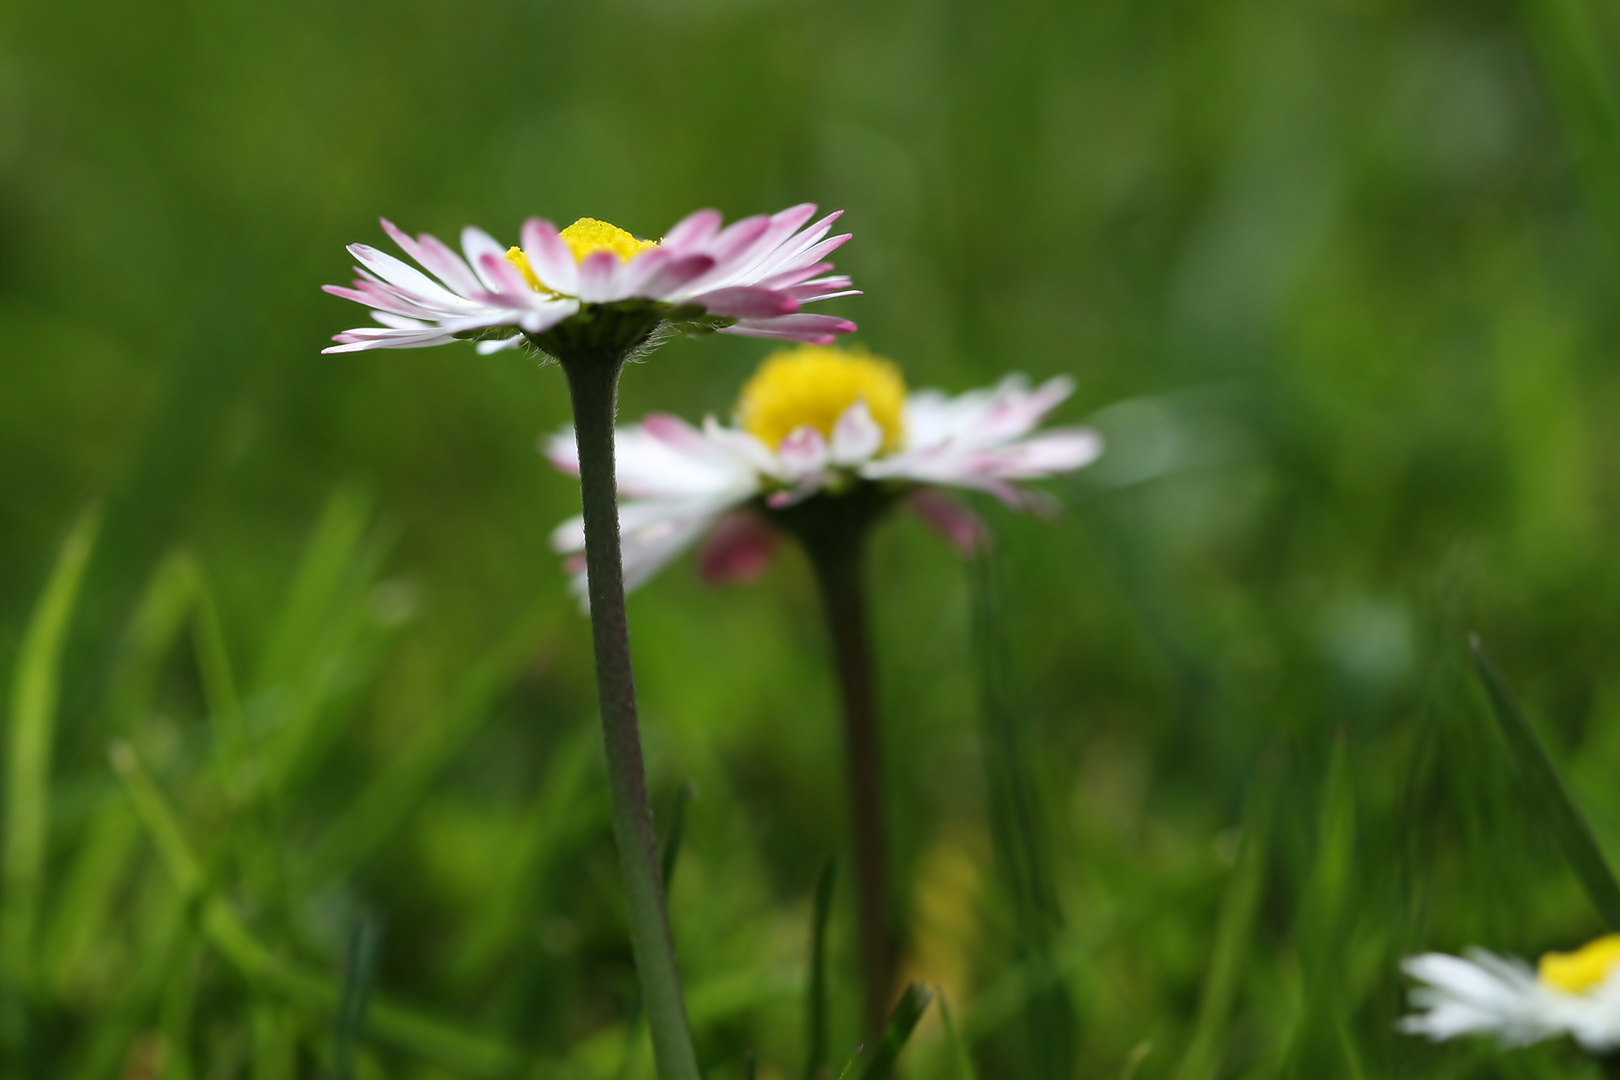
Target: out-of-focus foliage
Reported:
point(1337, 278)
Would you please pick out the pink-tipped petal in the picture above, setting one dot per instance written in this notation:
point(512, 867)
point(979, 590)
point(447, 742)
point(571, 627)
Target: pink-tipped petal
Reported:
point(856, 436)
point(816, 329)
point(955, 522)
point(475, 244)
point(406, 243)
point(507, 280)
point(795, 276)
point(544, 318)
point(732, 251)
point(676, 434)
point(485, 348)
point(400, 275)
point(635, 274)
point(694, 230)
point(668, 281)
point(738, 550)
point(596, 277)
point(803, 452)
point(550, 257)
point(746, 302)
point(562, 451)
point(451, 268)
point(790, 254)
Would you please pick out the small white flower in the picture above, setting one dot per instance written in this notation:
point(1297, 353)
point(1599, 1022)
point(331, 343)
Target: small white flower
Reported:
point(1575, 994)
point(757, 273)
point(819, 422)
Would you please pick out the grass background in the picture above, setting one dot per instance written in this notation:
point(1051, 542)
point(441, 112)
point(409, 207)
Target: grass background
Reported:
point(1336, 277)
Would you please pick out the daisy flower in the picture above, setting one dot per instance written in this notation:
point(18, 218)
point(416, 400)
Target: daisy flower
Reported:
point(824, 423)
point(1575, 994)
point(751, 277)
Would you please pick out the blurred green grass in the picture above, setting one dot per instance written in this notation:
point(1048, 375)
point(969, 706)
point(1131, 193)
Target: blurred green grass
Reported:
point(1349, 265)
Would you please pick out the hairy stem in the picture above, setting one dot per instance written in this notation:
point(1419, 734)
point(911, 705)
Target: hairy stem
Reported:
point(836, 555)
point(593, 380)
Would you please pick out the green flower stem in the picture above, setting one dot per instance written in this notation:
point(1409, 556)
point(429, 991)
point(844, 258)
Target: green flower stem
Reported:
point(593, 381)
point(833, 532)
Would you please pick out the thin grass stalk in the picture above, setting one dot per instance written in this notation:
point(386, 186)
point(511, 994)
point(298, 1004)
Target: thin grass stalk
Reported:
point(359, 976)
point(1019, 828)
point(878, 1062)
point(593, 381)
point(1549, 794)
point(817, 998)
point(32, 732)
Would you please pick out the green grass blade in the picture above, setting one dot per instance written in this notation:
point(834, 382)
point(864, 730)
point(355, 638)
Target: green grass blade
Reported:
point(218, 681)
point(454, 1050)
point(671, 854)
point(879, 1063)
point(1569, 47)
point(568, 806)
point(151, 635)
point(1548, 792)
point(275, 1046)
point(387, 800)
point(153, 810)
point(817, 1003)
point(317, 585)
point(359, 975)
point(960, 1058)
point(28, 768)
point(1233, 933)
point(1021, 827)
point(85, 905)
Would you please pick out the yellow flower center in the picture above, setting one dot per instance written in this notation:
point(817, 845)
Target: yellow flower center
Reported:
point(811, 387)
point(1577, 972)
point(585, 237)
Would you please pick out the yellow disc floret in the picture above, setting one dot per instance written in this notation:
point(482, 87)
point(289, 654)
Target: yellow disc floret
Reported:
point(812, 386)
point(585, 237)
point(588, 236)
point(1577, 972)
point(515, 256)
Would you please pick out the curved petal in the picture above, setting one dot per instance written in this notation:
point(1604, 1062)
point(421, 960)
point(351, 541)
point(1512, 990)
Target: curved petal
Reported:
point(746, 302)
point(475, 244)
point(693, 230)
point(550, 257)
point(738, 549)
point(596, 275)
point(856, 436)
point(964, 529)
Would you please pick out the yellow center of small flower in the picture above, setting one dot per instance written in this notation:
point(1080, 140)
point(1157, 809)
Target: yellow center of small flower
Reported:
point(585, 237)
point(1577, 972)
point(811, 387)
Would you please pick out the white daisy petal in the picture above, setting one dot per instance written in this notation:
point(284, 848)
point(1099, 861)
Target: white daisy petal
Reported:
point(981, 441)
point(802, 454)
point(1486, 994)
point(856, 437)
point(549, 257)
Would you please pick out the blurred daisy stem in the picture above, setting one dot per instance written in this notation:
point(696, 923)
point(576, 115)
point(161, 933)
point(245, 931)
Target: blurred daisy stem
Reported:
point(593, 381)
point(833, 533)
